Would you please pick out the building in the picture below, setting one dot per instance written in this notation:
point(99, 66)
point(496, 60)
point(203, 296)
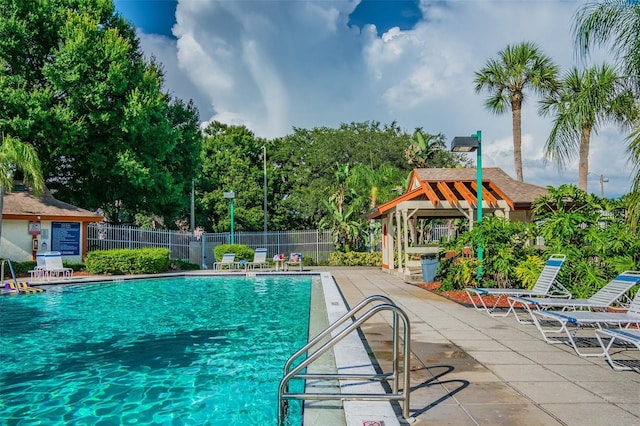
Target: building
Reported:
point(448, 193)
point(31, 224)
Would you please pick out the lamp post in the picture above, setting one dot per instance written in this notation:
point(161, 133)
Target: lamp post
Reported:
point(231, 195)
point(470, 144)
point(264, 184)
point(603, 179)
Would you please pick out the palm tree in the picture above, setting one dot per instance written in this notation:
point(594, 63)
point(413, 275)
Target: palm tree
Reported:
point(423, 148)
point(518, 68)
point(586, 100)
point(16, 155)
point(614, 24)
point(341, 174)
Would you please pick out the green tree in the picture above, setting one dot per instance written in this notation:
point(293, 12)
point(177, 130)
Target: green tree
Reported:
point(518, 68)
point(74, 84)
point(17, 156)
point(613, 24)
point(430, 150)
point(231, 160)
point(586, 100)
point(302, 158)
point(346, 231)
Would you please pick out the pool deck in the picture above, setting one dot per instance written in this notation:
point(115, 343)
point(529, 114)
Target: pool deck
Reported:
point(472, 369)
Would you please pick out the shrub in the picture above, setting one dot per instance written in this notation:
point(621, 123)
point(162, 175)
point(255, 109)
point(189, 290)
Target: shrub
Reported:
point(128, 261)
point(242, 252)
point(354, 258)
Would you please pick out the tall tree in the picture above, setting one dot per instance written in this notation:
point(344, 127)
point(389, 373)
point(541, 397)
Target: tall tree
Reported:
point(231, 160)
point(518, 68)
point(586, 100)
point(17, 156)
point(615, 24)
point(74, 83)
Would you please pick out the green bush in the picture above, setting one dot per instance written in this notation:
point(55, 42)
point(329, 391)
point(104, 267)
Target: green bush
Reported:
point(242, 252)
point(354, 258)
point(128, 261)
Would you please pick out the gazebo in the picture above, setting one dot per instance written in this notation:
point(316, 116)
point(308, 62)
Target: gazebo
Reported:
point(446, 194)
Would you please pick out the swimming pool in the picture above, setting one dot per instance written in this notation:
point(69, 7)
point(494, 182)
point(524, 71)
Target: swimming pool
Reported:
point(184, 350)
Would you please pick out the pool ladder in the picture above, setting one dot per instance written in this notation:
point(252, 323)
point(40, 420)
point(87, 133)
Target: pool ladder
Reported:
point(383, 304)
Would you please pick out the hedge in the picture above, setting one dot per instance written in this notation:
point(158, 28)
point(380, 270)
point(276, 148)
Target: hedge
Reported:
point(128, 261)
point(354, 258)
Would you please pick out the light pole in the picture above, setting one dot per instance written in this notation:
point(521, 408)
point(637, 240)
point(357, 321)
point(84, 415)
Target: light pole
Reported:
point(603, 179)
point(470, 144)
point(231, 195)
point(264, 184)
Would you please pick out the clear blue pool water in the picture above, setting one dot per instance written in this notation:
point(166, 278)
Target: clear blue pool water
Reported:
point(179, 351)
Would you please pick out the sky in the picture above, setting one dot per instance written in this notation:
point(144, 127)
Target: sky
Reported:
point(275, 65)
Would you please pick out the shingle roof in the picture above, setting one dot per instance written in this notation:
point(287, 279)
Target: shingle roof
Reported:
point(518, 192)
point(442, 187)
point(20, 203)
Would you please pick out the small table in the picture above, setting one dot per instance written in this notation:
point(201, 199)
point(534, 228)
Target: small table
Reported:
point(279, 264)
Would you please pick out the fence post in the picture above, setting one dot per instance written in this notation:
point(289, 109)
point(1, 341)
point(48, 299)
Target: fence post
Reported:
point(203, 256)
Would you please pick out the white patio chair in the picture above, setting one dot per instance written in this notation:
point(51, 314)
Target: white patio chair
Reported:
point(570, 323)
point(39, 271)
point(545, 285)
point(228, 261)
point(54, 266)
point(629, 337)
point(259, 259)
point(604, 298)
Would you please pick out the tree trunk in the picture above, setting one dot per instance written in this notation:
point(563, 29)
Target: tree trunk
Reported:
point(583, 162)
point(516, 108)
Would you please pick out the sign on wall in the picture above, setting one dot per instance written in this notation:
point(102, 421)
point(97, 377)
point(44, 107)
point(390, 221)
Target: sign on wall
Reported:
point(34, 227)
point(65, 238)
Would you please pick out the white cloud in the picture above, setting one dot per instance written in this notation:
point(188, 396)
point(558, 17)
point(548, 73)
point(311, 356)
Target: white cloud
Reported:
point(279, 64)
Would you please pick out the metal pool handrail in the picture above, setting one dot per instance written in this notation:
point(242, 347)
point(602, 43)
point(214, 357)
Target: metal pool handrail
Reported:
point(283, 393)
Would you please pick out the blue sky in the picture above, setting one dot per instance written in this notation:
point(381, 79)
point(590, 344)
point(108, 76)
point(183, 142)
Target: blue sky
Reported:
point(272, 65)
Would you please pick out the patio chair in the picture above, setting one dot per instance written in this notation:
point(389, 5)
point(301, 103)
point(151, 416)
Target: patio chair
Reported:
point(295, 259)
point(39, 271)
point(601, 300)
point(259, 259)
point(629, 337)
point(228, 261)
point(54, 266)
point(571, 322)
point(546, 285)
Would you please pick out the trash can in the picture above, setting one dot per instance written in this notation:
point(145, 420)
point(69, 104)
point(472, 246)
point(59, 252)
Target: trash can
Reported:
point(429, 264)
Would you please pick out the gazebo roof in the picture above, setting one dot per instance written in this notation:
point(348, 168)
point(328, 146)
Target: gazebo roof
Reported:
point(455, 189)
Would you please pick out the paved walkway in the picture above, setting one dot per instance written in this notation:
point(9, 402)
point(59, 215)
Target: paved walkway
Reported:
point(472, 369)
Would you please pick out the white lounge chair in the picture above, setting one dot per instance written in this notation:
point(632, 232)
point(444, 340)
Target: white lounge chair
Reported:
point(54, 266)
point(545, 285)
point(39, 271)
point(570, 323)
point(602, 299)
point(259, 259)
point(228, 261)
point(629, 337)
point(295, 259)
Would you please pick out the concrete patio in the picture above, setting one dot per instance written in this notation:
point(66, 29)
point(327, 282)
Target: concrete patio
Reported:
point(472, 369)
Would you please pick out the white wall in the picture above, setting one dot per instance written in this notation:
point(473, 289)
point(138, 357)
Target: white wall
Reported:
point(16, 241)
